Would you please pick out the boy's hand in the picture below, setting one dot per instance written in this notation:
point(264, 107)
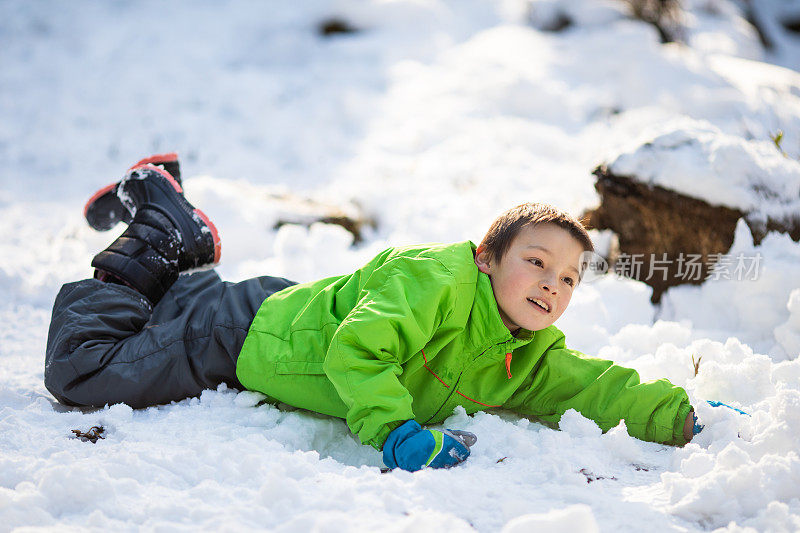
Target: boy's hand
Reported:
point(689, 426)
point(411, 448)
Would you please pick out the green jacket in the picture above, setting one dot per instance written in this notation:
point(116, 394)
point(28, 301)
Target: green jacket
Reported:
point(415, 333)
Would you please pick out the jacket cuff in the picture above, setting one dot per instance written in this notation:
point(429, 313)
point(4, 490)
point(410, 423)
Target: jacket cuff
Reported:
point(383, 434)
point(677, 429)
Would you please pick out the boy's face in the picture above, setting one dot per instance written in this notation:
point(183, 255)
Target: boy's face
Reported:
point(534, 281)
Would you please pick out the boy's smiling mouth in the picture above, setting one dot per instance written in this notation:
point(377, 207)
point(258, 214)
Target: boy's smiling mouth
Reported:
point(541, 304)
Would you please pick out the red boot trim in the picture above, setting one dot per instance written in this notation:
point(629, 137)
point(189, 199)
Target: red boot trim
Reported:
point(158, 159)
point(108, 277)
point(97, 195)
point(214, 235)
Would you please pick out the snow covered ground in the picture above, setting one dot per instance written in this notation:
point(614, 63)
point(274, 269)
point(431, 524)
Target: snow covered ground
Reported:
point(434, 118)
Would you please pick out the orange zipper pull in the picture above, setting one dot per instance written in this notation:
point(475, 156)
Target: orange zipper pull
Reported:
point(508, 364)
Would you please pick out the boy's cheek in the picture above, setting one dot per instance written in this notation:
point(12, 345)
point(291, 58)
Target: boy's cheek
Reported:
point(565, 303)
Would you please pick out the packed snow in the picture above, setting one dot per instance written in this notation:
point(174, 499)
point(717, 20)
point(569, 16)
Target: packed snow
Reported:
point(698, 160)
point(433, 118)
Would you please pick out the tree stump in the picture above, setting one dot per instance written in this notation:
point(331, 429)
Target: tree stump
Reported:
point(667, 238)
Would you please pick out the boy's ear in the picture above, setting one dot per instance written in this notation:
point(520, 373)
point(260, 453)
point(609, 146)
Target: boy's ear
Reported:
point(483, 261)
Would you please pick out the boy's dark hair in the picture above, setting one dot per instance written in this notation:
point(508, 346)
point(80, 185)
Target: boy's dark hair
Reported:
point(505, 227)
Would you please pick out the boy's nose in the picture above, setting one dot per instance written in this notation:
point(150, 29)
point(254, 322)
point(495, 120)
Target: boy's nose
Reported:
point(548, 284)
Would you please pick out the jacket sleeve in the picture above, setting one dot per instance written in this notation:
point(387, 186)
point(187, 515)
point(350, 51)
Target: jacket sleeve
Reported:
point(604, 392)
point(398, 311)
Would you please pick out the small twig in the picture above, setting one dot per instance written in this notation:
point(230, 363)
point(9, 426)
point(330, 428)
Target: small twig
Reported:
point(696, 364)
point(591, 476)
point(94, 433)
point(501, 459)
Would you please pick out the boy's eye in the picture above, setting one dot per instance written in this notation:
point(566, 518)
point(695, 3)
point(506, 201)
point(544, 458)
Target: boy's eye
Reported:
point(569, 281)
point(537, 262)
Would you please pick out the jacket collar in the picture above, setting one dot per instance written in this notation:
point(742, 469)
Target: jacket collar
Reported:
point(485, 321)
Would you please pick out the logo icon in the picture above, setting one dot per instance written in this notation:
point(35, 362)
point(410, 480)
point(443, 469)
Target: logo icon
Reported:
point(593, 265)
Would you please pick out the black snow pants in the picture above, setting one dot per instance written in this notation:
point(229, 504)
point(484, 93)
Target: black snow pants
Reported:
point(108, 345)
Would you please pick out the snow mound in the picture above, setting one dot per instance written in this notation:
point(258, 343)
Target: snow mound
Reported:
point(433, 118)
point(697, 159)
point(757, 306)
point(572, 518)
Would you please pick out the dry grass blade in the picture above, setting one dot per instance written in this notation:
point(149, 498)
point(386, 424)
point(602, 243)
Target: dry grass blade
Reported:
point(696, 364)
point(777, 138)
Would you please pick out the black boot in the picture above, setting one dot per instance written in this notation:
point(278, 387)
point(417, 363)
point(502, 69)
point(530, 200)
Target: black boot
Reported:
point(144, 257)
point(166, 236)
point(104, 210)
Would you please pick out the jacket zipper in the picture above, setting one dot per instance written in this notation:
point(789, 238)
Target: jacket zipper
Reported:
point(483, 352)
point(454, 388)
point(446, 400)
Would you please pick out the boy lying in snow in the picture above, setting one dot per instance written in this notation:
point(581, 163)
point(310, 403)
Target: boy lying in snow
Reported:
point(402, 341)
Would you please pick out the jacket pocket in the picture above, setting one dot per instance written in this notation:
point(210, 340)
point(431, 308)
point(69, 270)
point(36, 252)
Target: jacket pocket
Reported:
point(299, 367)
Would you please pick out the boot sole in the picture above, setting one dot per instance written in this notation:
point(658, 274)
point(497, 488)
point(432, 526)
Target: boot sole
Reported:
point(110, 189)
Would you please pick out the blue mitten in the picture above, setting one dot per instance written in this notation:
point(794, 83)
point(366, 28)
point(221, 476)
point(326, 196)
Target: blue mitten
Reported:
point(699, 427)
point(411, 448)
point(713, 403)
